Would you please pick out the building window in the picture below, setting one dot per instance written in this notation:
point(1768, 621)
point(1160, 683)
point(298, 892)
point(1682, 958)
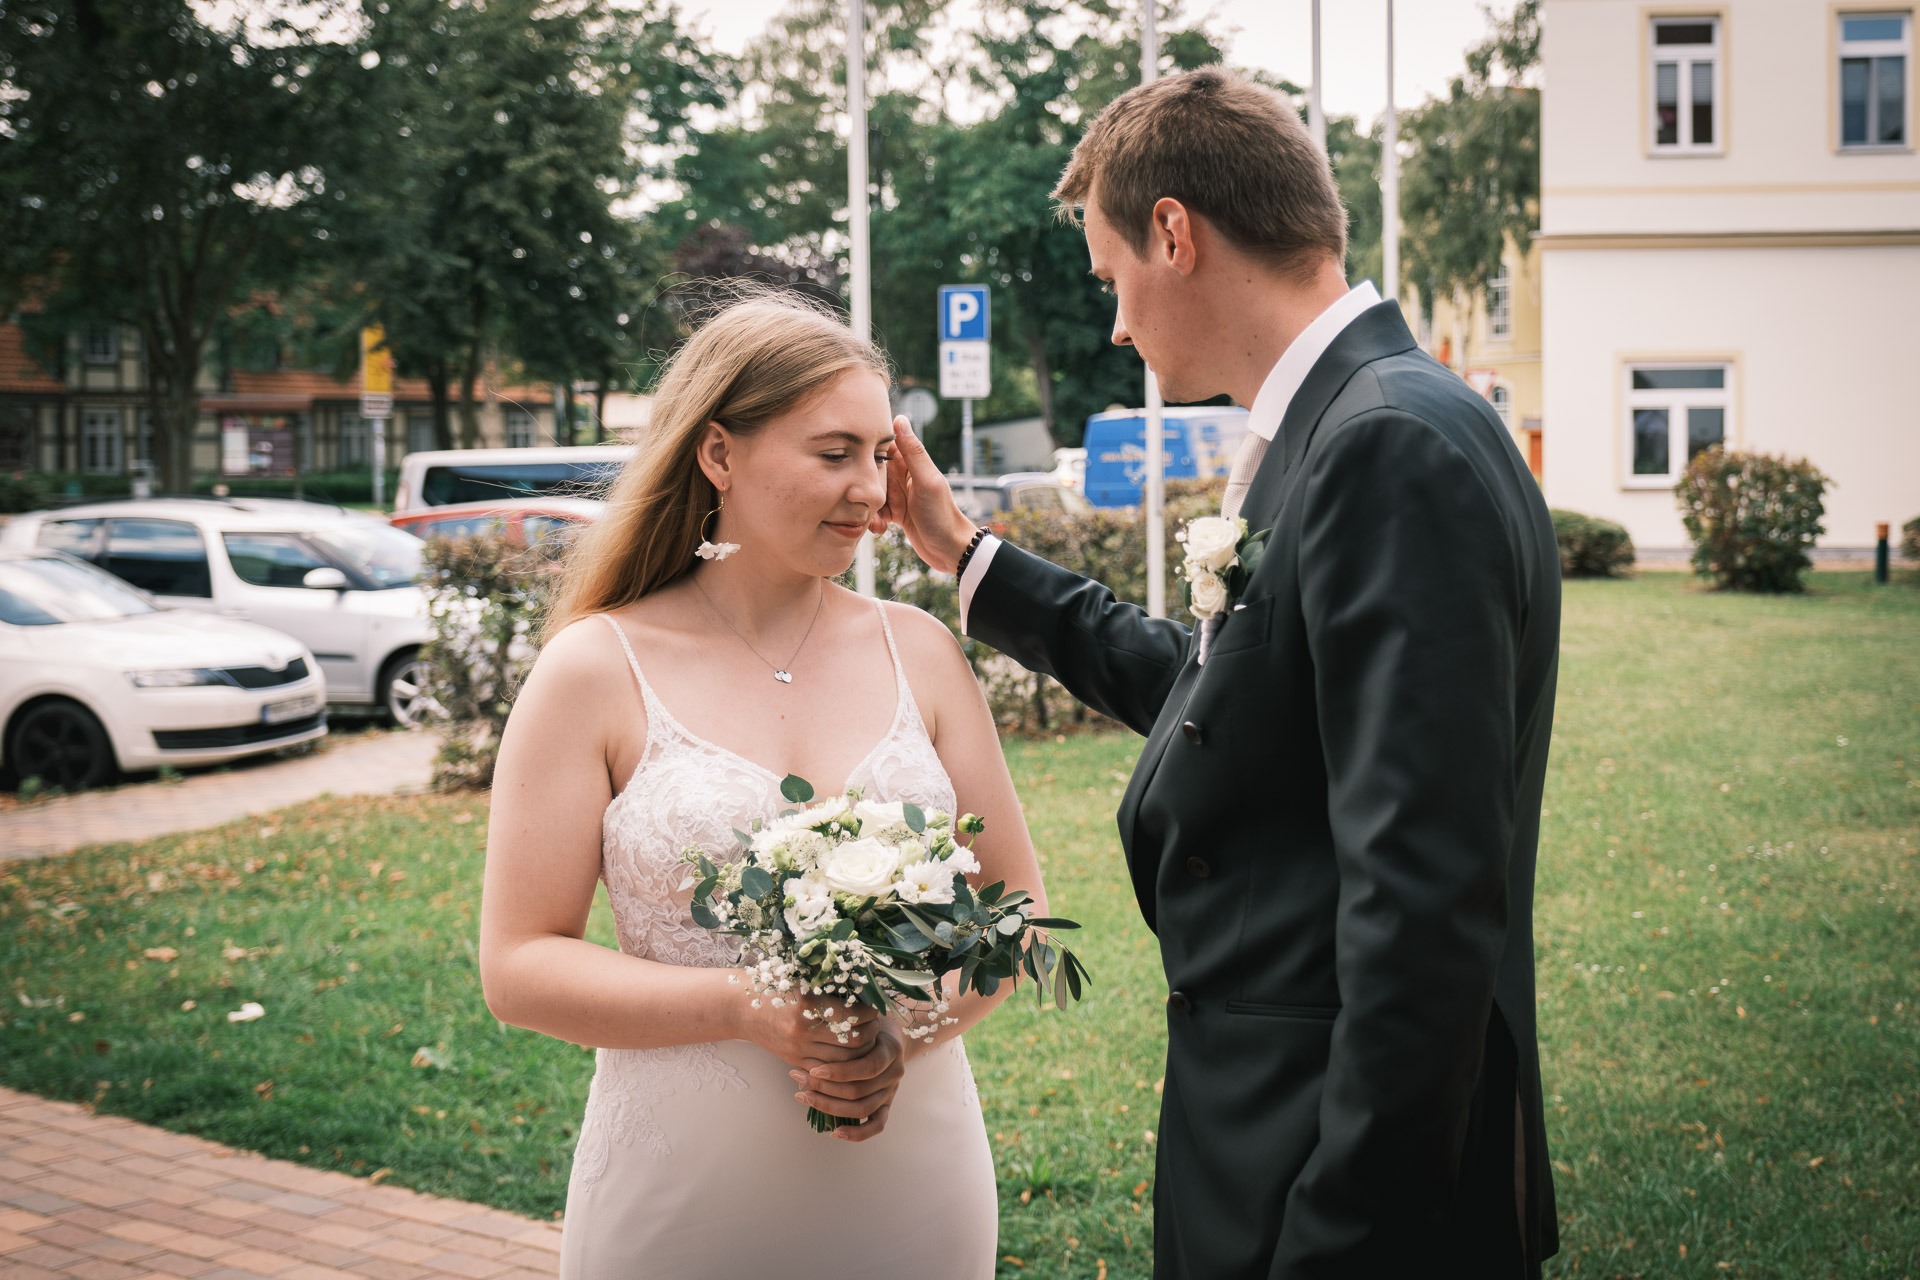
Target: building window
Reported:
point(101, 344)
point(17, 423)
point(1502, 400)
point(1874, 53)
point(1686, 84)
point(519, 429)
point(100, 442)
point(420, 433)
point(1673, 412)
point(1500, 307)
point(353, 440)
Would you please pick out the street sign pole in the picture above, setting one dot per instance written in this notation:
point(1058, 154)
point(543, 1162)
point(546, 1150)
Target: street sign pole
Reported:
point(376, 401)
point(966, 438)
point(965, 357)
point(1155, 497)
point(857, 229)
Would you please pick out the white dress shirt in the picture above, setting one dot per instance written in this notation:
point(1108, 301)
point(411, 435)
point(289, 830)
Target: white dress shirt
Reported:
point(1263, 418)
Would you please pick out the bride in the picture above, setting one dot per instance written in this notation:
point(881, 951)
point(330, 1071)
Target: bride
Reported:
point(681, 683)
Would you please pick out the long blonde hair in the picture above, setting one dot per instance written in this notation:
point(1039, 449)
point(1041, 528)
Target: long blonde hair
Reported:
point(750, 363)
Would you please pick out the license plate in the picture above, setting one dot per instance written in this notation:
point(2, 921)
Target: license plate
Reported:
point(291, 709)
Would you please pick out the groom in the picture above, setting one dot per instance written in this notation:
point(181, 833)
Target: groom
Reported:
point(1332, 826)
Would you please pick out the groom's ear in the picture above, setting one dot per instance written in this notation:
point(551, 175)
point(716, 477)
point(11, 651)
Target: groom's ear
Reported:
point(1170, 239)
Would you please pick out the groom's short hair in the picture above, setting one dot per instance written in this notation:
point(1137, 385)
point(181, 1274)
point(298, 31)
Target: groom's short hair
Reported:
point(1225, 148)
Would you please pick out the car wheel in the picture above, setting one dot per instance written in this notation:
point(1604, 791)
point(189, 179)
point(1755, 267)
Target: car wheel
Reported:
point(404, 691)
point(63, 745)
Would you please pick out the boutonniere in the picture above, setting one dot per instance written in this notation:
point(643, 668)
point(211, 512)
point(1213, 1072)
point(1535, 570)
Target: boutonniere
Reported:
point(1221, 557)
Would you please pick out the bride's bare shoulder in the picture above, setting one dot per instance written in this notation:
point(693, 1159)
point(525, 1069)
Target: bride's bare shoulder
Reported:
point(927, 646)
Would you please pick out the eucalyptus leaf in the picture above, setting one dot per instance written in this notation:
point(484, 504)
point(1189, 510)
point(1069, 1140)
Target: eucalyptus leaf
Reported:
point(756, 883)
point(916, 818)
point(703, 914)
point(796, 788)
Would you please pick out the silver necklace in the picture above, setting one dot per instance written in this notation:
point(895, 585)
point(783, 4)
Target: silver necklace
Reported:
point(781, 673)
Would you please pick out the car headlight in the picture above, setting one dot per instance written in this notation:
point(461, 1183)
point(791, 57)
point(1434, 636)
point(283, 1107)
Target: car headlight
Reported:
point(177, 679)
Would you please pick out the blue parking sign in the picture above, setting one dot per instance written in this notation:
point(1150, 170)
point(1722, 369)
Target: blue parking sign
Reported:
point(963, 313)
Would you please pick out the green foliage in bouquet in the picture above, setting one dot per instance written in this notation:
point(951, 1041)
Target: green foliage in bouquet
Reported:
point(1591, 547)
point(1752, 518)
point(870, 904)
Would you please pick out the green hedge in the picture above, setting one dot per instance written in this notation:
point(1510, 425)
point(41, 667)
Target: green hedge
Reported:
point(1591, 547)
point(45, 487)
point(1753, 518)
point(1910, 539)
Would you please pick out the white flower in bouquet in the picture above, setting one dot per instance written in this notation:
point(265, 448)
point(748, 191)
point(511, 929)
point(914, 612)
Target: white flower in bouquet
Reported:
point(963, 861)
point(929, 881)
point(862, 867)
point(1209, 592)
point(823, 814)
point(807, 849)
point(1213, 542)
point(812, 909)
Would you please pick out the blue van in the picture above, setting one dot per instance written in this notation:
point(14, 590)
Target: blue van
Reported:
point(1199, 442)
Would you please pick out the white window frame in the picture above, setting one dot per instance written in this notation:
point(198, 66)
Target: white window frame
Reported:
point(100, 344)
point(1873, 49)
point(1685, 57)
point(529, 429)
point(356, 442)
point(1500, 396)
point(1676, 401)
point(1500, 306)
point(102, 442)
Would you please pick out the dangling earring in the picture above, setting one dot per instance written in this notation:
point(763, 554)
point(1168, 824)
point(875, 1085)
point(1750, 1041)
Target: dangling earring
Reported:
point(714, 550)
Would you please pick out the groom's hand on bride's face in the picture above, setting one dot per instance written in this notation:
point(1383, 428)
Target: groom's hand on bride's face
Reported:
point(860, 1088)
point(921, 503)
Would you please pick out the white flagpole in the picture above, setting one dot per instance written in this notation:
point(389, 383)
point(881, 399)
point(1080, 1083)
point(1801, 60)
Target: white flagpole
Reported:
point(1316, 113)
point(1390, 182)
point(860, 267)
point(1154, 500)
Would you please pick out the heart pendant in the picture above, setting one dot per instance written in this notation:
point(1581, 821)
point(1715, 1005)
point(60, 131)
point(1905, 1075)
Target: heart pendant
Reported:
point(784, 677)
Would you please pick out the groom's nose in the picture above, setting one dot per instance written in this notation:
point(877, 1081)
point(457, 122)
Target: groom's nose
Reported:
point(1121, 338)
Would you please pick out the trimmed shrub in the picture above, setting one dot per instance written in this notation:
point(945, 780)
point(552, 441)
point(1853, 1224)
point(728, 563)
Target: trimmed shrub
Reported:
point(23, 491)
point(1910, 539)
point(1591, 547)
point(1752, 518)
point(485, 594)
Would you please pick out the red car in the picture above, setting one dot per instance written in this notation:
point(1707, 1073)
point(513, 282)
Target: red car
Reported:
point(523, 520)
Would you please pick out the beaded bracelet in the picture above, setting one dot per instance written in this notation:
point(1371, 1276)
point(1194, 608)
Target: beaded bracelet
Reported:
point(960, 566)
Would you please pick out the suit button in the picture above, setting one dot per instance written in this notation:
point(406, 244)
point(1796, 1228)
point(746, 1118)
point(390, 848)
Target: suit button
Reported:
point(1195, 734)
point(1179, 1003)
point(1199, 868)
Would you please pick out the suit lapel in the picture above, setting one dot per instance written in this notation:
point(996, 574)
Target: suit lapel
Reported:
point(1375, 333)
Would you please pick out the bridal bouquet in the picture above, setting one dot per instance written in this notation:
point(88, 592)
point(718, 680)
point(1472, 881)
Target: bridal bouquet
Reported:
point(863, 903)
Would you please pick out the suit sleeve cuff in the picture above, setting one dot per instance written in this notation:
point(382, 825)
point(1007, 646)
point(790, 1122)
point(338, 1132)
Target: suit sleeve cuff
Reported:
point(976, 573)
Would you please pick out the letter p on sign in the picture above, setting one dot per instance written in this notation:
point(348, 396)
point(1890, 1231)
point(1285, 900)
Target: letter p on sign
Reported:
point(963, 313)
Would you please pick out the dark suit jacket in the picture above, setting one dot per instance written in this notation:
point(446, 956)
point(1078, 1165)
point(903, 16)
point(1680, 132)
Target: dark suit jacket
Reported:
point(1332, 829)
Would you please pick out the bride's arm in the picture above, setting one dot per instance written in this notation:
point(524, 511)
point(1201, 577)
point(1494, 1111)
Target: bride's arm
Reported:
point(961, 726)
point(550, 789)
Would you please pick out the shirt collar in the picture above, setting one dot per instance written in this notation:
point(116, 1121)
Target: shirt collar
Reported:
point(1277, 392)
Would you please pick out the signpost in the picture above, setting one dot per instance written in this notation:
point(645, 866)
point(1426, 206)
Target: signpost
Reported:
point(965, 367)
point(376, 401)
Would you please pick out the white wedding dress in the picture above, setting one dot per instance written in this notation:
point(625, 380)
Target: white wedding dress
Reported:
point(696, 1161)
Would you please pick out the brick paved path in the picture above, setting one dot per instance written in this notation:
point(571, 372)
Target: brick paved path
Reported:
point(100, 1198)
point(368, 764)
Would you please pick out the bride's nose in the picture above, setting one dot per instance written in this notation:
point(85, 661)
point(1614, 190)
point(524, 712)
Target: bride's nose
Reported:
point(869, 487)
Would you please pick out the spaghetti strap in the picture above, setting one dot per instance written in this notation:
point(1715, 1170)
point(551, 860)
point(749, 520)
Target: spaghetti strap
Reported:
point(899, 667)
point(633, 663)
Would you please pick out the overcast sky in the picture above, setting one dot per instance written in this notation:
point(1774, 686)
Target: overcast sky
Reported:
point(1270, 34)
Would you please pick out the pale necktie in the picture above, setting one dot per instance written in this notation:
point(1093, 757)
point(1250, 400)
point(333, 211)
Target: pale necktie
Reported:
point(1239, 479)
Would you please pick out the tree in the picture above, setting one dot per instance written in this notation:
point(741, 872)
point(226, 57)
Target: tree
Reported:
point(153, 165)
point(1471, 177)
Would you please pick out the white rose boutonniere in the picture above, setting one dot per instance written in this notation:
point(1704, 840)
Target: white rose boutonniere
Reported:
point(1220, 557)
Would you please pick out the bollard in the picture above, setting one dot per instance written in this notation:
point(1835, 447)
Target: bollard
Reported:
point(1880, 552)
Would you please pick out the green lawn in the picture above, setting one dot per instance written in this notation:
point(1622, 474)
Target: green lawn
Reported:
point(1726, 931)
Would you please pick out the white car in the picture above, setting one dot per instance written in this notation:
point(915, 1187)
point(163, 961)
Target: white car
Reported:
point(94, 679)
point(344, 584)
point(439, 477)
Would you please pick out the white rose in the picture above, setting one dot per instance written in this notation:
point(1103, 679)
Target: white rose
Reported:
point(812, 908)
point(862, 867)
point(874, 814)
point(1213, 541)
point(927, 881)
point(1209, 595)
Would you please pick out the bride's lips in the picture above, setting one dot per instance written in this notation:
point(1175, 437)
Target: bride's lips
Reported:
point(845, 530)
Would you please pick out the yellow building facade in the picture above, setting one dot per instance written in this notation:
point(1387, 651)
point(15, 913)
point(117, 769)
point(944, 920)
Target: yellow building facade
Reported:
point(1491, 338)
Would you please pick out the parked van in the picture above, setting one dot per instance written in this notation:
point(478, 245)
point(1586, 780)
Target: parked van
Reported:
point(437, 477)
point(1198, 442)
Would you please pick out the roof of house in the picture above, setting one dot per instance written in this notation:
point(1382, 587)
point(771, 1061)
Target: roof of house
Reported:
point(20, 373)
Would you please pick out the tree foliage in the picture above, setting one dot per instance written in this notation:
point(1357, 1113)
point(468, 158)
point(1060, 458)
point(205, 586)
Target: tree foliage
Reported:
point(1471, 176)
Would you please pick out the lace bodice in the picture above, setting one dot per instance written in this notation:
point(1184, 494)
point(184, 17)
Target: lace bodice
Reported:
point(687, 791)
